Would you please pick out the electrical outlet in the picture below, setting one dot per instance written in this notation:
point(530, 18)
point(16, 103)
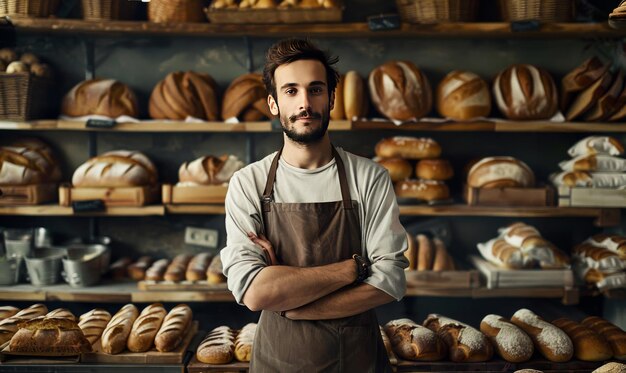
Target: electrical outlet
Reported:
point(201, 237)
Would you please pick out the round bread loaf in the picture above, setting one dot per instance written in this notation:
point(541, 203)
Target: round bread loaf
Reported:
point(28, 161)
point(106, 97)
point(424, 190)
point(119, 168)
point(463, 95)
point(525, 92)
point(500, 172)
point(399, 169)
point(184, 94)
point(434, 169)
point(400, 91)
point(246, 99)
point(209, 170)
point(408, 148)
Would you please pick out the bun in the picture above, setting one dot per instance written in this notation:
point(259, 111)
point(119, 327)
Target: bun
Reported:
point(412, 341)
point(400, 91)
point(549, 340)
point(425, 190)
point(209, 170)
point(246, 99)
point(434, 169)
point(525, 92)
point(399, 169)
point(510, 342)
point(183, 94)
point(465, 343)
point(106, 97)
point(500, 172)
point(463, 95)
point(408, 148)
point(119, 168)
point(588, 345)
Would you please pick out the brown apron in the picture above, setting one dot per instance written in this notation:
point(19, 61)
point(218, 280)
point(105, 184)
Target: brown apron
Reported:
point(305, 235)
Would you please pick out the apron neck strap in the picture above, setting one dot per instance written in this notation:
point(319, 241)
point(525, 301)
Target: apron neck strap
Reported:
point(271, 178)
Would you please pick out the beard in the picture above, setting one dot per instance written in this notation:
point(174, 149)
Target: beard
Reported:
point(309, 137)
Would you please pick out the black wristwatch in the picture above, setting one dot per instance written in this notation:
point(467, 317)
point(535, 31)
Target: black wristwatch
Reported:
point(362, 268)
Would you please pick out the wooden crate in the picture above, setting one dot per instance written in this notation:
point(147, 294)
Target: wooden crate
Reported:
point(465, 279)
point(272, 16)
point(149, 357)
point(543, 196)
point(591, 197)
point(173, 194)
point(497, 277)
point(32, 194)
point(122, 196)
point(181, 286)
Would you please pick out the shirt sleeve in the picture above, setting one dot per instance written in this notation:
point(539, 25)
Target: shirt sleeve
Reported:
point(242, 260)
point(385, 238)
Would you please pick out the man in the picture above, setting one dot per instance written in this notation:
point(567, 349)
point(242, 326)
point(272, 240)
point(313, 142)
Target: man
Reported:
point(313, 232)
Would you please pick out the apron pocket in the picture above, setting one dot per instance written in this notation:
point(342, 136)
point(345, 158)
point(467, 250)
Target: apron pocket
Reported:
point(357, 349)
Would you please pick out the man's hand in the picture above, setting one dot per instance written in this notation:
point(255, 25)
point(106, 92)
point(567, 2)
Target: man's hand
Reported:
point(266, 245)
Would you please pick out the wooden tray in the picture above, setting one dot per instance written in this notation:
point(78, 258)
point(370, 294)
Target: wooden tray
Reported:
point(196, 366)
point(180, 286)
point(509, 196)
point(173, 194)
point(123, 196)
point(149, 357)
point(449, 366)
point(37, 358)
point(591, 197)
point(271, 16)
point(32, 194)
point(464, 279)
point(497, 277)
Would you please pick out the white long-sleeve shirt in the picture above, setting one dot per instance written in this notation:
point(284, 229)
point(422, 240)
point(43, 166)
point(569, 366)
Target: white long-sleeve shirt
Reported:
point(383, 237)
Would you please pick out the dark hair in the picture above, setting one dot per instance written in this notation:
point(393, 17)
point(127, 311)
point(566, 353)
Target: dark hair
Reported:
point(291, 50)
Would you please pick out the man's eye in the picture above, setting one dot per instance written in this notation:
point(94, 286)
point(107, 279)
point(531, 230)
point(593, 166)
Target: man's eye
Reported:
point(316, 90)
point(290, 91)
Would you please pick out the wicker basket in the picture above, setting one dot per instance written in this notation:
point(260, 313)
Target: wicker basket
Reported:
point(541, 10)
point(28, 8)
point(434, 11)
point(167, 11)
point(24, 96)
point(106, 10)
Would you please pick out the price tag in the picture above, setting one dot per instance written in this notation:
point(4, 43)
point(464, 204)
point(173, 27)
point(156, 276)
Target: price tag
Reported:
point(383, 22)
point(94, 205)
point(525, 26)
point(101, 123)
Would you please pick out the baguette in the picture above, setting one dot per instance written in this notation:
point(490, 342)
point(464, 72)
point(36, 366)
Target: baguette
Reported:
point(196, 270)
point(551, 341)
point(243, 343)
point(614, 335)
point(93, 323)
point(510, 342)
point(117, 330)
point(119, 269)
point(145, 328)
point(412, 341)
point(588, 345)
point(8, 311)
point(218, 347)
point(176, 270)
point(465, 343)
point(214, 272)
point(62, 313)
point(137, 270)
point(174, 328)
point(9, 326)
point(157, 270)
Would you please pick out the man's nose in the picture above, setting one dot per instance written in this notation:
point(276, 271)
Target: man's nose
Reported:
point(305, 103)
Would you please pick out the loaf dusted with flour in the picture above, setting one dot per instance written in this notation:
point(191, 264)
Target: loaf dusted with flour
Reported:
point(93, 324)
point(174, 327)
point(209, 170)
point(116, 333)
point(185, 94)
point(218, 347)
point(465, 343)
point(553, 343)
point(243, 342)
point(588, 344)
point(510, 342)
point(145, 328)
point(463, 95)
point(119, 168)
point(500, 172)
point(106, 97)
point(412, 341)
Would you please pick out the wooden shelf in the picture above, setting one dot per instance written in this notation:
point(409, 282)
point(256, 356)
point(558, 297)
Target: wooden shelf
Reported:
point(56, 210)
point(492, 126)
point(195, 209)
point(440, 30)
point(568, 296)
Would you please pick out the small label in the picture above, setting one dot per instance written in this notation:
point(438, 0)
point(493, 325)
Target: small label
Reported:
point(100, 123)
point(525, 26)
point(201, 237)
point(94, 205)
point(383, 22)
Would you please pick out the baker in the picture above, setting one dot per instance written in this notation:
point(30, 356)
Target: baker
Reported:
point(314, 238)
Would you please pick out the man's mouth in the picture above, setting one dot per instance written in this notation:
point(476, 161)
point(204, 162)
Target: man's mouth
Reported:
point(305, 116)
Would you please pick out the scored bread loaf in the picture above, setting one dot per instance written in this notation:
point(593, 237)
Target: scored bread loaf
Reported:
point(588, 345)
point(93, 324)
point(580, 78)
point(185, 94)
point(49, 335)
point(613, 334)
point(137, 270)
point(209, 170)
point(525, 92)
point(412, 341)
point(510, 342)
point(176, 270)
point(61, 313)
point(390, 354)
point(500, 172)
point(157, 270)
point(9, 326)
point(196, 270)
point(118, 168)
point(214, 273)
point(243, 342)
point(218, 347)
point(20, 166)
point(408, 148)
point(246, 99)
point(400, 91)
point(463, 95)
point(106, 97)
point(423, 190)
point(425, 253)
point(145, 328)
point(553, 343)
point(174, 327)
point(8, 311)
point(116, 333)
point(399, 169)
point(465, 343)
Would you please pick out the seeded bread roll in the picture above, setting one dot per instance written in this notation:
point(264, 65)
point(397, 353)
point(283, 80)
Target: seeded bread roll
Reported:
point(174, 327)
point(412, 341)
point(553, 343)
point(145, 328)
point(218, 347)
point(93, 324)
point(465, 343)
point(116, 333)
point(510, 342)
point(588, 345)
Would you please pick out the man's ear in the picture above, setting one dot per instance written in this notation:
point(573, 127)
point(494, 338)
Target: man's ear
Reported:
point(271, 102)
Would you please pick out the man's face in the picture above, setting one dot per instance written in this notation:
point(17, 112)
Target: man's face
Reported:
point(302, 103)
